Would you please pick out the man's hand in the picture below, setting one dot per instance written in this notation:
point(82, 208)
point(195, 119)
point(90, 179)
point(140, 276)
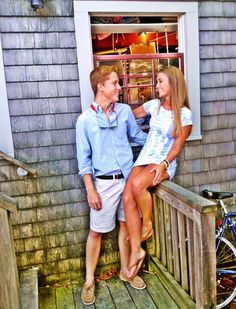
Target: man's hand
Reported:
point(94, 199)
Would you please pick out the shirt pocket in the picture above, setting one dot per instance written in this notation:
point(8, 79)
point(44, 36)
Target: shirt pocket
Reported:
point(121, 131)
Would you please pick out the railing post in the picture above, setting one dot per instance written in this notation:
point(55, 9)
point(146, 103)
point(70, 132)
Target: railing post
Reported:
point(9, 282)
point(205, 259)
point(184, 244)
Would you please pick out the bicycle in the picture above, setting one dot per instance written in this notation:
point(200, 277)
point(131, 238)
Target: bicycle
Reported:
point(225, 252)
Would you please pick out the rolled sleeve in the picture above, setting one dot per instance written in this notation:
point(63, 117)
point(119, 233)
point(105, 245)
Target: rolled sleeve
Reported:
point(83, 149)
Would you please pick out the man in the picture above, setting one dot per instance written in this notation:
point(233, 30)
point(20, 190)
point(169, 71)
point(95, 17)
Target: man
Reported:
point(105, 159)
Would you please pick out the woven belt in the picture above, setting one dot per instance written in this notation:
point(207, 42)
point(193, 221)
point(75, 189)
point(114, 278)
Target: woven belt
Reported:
point(118, 176)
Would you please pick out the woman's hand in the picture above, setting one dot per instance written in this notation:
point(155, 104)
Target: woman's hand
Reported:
point(94, 199)
point(159, 170)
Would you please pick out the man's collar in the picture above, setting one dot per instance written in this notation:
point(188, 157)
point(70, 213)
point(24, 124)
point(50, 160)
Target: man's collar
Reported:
point(95, 107)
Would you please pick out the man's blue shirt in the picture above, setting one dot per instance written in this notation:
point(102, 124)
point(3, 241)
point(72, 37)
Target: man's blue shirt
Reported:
point(103, 143)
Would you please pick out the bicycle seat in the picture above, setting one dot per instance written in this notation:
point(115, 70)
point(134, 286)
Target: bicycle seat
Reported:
point(216, 194)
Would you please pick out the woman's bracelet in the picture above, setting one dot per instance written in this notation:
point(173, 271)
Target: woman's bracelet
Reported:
point(167, 163)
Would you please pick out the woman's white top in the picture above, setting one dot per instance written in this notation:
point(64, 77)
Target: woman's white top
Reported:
point(159, 140)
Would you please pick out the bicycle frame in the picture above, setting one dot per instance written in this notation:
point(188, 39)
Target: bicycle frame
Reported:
point(227, 219)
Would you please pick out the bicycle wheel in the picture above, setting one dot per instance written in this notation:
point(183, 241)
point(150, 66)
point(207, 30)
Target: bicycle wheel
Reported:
point(225, 273)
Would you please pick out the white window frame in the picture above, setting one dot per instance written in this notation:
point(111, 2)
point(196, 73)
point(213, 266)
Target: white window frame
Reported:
point(6, 141)
point(188, 37)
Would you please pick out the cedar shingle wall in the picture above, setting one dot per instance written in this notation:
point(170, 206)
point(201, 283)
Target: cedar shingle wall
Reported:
point(51, 225)
point(211, 163)
point(40, 61)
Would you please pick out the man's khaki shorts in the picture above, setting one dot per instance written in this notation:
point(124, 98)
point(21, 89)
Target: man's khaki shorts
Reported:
point(110, 191)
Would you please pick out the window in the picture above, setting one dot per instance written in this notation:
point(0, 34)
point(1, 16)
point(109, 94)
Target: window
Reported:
point(6, 142)
point(185, 17)
point(138, 46)
point(137, 74)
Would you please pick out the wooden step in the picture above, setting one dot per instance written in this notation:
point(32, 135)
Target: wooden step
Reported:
point(29, 289)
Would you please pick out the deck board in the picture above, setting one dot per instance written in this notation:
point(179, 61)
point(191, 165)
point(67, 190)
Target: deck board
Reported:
point(120, 294)
point(141, 298)
point(110, 294)
point(64, 298)
point(103, 296)
point(77, 299)
point(158, 292)
point(47, 298)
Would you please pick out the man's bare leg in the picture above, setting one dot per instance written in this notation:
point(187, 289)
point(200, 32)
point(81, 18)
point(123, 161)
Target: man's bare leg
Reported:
point(93, 247)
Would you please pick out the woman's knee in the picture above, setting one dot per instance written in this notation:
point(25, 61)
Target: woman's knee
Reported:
point(127, 197)
point(138, 186)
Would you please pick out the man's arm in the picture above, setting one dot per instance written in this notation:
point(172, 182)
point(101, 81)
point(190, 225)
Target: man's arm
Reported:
point(135, 133)
point(93, 197)
point(139, 112)
point(84, 157)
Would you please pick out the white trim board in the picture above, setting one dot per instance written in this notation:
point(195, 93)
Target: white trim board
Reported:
point(6, 142)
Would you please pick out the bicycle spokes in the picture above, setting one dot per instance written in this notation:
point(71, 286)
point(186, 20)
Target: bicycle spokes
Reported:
point(226, 272)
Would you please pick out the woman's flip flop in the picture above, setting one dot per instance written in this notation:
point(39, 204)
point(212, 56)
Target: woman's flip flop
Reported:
point(136, 266)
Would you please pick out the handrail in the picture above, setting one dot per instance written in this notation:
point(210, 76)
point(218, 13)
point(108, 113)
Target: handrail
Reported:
point(18, 163)
point(184, 242)
point(8, 203)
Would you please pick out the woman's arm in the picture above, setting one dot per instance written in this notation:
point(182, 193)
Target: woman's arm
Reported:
point(173, 153)
point(179, 142)
point(139, 112)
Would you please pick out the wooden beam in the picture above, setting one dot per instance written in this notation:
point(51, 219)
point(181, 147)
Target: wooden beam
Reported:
point(184, 200)
point(18, 163)
point(9, 284)
point(205, 259)
point(29, 289)
point(8, 203)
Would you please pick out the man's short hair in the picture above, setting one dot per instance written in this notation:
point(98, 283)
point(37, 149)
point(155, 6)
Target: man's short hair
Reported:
point(100, 75)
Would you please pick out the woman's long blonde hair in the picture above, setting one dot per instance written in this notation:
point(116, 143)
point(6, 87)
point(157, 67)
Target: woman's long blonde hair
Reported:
point(179, 95)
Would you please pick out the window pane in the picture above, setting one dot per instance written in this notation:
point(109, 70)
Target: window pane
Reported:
point(138, 74)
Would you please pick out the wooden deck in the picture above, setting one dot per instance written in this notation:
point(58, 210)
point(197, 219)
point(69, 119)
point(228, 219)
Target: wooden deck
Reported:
point(112, 293)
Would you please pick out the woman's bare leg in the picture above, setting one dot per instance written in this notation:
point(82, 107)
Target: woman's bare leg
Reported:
point(135, 198)
point(140, 184)
point(143, 199)
point(133, 223)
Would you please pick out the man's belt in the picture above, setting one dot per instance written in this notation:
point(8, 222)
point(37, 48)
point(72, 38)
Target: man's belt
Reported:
point(117, 176)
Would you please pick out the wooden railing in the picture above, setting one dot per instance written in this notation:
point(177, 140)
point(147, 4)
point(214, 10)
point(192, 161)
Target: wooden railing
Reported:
point(18, 163)
point(9, 284)
point(182, 250)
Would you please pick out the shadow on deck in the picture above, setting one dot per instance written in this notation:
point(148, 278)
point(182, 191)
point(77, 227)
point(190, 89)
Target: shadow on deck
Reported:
point(112, 293)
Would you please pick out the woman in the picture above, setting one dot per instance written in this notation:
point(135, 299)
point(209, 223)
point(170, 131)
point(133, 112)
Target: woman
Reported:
point(170, 125)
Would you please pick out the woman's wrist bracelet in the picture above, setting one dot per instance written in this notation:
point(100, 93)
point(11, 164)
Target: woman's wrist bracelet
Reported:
point(167, 163)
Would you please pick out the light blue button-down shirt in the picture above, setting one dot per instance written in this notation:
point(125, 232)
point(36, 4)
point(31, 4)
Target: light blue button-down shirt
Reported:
point(103, 143)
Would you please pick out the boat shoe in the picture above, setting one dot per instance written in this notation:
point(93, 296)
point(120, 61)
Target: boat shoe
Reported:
point(88, 294)
point(136, 283)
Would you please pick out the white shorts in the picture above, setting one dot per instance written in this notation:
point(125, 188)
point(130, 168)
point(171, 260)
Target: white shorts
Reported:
point(110, 191)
